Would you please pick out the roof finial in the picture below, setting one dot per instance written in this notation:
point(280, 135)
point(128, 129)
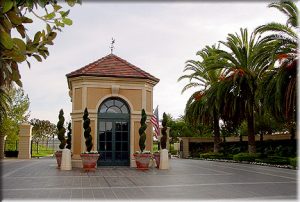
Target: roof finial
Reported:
point(112, 45)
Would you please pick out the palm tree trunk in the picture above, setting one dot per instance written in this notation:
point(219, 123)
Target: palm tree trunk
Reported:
point(217, 139)
point(251, 134)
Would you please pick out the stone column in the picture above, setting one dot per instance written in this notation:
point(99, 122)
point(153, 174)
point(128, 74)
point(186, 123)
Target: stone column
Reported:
point(25, 141)
point(185, 142)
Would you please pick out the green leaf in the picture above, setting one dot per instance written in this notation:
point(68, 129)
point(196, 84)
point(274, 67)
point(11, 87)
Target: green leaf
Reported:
point(7, 5)
point(26, 20)
point(67, 21)
point(37, 37)
point(64, 13)
point(71, 2)
point(48, 28)
point(7, 24)
point(19, 58)
point(21, 30)
point(56, 7)
point(16, 77)
point(21, 45)
point(6, 40)
point(49, 16)
point(14, 18)
point(38, 58)
point(52, 35)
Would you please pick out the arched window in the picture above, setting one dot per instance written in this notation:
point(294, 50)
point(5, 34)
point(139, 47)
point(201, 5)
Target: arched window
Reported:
point(114, 106)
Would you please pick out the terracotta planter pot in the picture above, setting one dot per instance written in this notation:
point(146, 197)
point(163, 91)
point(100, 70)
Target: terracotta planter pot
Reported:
point(58, 155)
point(89, 161)
point(142, 161)
point(156, 156)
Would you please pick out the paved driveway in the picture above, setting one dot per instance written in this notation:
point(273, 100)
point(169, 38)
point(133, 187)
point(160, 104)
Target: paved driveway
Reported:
point(186, 179)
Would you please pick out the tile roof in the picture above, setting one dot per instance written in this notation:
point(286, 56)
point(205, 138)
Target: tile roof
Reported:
point(112, 66)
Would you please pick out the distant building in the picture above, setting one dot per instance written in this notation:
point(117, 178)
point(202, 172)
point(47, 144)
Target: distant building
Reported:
point(115, 92)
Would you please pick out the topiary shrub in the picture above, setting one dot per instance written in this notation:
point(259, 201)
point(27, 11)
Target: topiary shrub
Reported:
point(142, 131)
point(61, 130)
point(163, 140)
point(69, 140)
point(87, 131)
point(245, 157)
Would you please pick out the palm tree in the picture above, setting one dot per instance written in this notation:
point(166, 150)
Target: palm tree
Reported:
point(240, 63)
point(279, 79)
point(198, 109)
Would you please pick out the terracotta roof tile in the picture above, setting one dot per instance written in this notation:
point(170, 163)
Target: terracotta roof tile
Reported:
point(112, 66)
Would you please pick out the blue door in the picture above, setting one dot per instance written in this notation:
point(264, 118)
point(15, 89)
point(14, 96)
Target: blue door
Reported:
point(113, 133)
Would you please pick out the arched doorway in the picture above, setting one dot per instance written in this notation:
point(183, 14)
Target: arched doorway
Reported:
point(114, 132)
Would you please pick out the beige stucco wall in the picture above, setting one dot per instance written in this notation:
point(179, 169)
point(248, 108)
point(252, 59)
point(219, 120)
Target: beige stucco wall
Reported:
point(149, 101)
point(135, 97)
point(76, 143)
point(78, 99)
point(90, 92)
point(94, 94)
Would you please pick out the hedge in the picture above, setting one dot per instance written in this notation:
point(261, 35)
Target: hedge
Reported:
point(294, 162)
point(274, 160)
point(245, 157)
point(212, 155)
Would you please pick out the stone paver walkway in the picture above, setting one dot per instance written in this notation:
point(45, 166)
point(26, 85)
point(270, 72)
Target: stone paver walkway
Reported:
point(186, 179)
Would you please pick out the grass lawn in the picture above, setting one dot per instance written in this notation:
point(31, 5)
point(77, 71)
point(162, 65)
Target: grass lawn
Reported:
point(41, 151)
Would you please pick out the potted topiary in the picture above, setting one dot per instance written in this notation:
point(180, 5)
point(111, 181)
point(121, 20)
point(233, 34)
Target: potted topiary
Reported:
point(89, 158)
point(61, 136)
point(163, 140)
point(69, 140)
point(163, 162)
point(142, 158)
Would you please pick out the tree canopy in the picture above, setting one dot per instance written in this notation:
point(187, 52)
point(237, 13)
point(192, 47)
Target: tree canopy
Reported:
point(16, 44)
point(17, 112)
point(42, 129)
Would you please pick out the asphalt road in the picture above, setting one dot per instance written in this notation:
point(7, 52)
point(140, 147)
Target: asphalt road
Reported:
point(185, 180)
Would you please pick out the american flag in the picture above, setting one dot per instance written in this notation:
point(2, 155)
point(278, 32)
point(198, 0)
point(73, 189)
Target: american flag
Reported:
point(155, 121)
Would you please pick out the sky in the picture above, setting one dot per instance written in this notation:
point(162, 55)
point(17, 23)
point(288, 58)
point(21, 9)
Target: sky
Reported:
point(156, 37)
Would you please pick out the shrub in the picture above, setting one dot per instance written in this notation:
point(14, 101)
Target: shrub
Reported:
point(245, 157)
point(294, 162)
point(277, 160)
point(212, 155)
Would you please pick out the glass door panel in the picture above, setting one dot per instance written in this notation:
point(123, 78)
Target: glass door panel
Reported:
point(113, 142)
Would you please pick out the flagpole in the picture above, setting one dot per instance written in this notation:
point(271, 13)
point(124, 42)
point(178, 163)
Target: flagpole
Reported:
point(158, 142)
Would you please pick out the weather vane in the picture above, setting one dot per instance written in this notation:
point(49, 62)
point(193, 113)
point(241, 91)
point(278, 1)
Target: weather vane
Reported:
point(112, 45)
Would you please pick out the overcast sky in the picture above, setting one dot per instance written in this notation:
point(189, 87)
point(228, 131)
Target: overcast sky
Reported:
point(157, 37)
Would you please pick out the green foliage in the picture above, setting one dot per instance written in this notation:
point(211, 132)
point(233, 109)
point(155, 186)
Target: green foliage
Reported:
point(87, 131)
point(14, 17)
point(16, 113)
point(61, 130)
point(277, 160)
point(245, 157)
point(294, 162)
point(42, 129)
point(142, 130)
point(69, 140)
point(212, 155)
point(284, 151)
